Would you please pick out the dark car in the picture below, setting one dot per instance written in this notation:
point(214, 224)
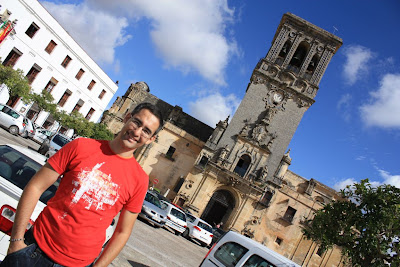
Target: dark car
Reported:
point(217, 233)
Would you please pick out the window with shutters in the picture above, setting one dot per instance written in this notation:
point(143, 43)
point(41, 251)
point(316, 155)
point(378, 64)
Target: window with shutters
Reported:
point(64, 98)
point(49, 48)
point(103, 92)
point(78, 105)
point(90, 113)
point(66, 61)
point(12, 58)
point(32, 73)
point(31, 31)
point(91, 84)
point(50, 85)
point(79, 74)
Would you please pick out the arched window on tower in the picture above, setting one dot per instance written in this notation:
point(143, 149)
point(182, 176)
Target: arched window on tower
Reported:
point(242, 165)
point(284, 51)
point(299, 56)
point(313, 64)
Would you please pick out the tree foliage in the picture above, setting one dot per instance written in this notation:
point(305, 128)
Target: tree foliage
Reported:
point(18, 86)
point(16, 82)
point(366, 227)
point(44, 100)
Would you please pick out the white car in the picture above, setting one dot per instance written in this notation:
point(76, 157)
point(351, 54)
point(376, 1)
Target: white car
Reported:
point(17, 166)
point(50, 146)
point(30, 128)
point(41, 134)
point(152, 211)
point(198, 229)
point(12, 120)
point(176, 218)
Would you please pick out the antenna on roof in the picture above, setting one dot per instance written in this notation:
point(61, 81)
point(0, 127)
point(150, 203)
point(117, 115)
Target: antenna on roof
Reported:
point(335, 29)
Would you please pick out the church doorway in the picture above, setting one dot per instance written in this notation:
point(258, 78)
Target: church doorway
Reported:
point(219, 208)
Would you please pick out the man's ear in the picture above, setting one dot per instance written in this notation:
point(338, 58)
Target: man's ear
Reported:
point(151, 139)
point(127, 117)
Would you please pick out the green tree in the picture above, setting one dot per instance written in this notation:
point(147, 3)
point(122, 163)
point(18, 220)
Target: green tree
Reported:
point(82, 126)
point(101, 132)
point(44, 100)
point(16, 82)
point(366, 226)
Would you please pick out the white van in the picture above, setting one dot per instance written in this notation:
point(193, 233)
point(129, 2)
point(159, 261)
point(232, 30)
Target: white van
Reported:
point(234, 249)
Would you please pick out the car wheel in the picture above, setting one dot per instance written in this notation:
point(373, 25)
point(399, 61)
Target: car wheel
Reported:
point(14, 130)
point(203, 244)
point(42, 150)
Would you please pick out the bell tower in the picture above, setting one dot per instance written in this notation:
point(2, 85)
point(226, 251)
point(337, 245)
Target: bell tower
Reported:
point(282, 87)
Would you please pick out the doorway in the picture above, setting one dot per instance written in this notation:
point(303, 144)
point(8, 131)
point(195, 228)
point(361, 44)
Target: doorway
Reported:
point(219, 208)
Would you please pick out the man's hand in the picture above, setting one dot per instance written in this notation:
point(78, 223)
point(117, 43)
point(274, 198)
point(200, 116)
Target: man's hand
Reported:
point(15, 246)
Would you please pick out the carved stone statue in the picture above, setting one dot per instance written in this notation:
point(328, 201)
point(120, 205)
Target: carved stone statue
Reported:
point(264, 174)
point(259, 133)
point(224, 152)
point(244, 130)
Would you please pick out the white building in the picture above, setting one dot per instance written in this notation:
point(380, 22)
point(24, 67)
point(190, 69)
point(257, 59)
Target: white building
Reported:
point(51, 59)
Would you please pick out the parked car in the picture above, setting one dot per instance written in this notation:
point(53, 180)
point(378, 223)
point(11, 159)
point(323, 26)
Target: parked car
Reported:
point(176, 218)
point(50, 146)
point(12, 120)
point(41, 134)
point(160, 196)
point(17, 166)
point(217, 233)
point(234, 249)
point(30, 129)
point(152, 211)
point(198, 229)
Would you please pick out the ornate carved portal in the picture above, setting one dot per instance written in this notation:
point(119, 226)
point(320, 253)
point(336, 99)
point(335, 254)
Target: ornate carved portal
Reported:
point(219, 208)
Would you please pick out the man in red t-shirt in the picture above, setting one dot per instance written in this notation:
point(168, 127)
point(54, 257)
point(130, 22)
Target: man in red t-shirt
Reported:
point(99, 179)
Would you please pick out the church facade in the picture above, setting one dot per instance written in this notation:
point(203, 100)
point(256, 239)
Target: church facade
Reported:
point(237, 174)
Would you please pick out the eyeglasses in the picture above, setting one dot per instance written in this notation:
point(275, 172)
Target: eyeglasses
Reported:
point(145, 132)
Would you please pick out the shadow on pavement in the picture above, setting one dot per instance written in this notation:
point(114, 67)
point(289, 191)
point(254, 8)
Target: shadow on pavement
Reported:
point(137, 264)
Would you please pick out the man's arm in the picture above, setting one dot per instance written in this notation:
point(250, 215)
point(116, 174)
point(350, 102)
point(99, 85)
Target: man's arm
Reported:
point(42, 180)
point(121, 235)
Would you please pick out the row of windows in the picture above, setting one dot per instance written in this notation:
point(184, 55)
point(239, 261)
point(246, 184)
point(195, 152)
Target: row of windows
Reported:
point(15, 54)
point(31, 31)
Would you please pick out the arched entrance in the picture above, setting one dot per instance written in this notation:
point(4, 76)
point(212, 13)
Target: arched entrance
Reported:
point(219, 208)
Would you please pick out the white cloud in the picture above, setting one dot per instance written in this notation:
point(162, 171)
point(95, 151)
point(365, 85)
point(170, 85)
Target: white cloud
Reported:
point(213, 108)
point(97, 32)
point(188, 35)
point(342, 184)
point(387, 178)
point(384, 109)
point(390, 179)
point(356, 65)
point(361, 157)
point(343, 106)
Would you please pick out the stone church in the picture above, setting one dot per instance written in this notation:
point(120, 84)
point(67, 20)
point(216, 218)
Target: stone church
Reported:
point(237, 173)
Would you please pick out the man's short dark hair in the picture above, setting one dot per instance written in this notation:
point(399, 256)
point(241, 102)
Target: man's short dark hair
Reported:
point(153, 109)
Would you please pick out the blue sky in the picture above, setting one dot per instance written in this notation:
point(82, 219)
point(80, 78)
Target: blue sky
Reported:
point(200, 54)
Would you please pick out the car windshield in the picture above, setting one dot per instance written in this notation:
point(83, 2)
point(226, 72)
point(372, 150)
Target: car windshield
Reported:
point(153, 200)
point(60, 140)
point(178, 214)
point(205, 226)
point(19, 169)
point(190, 218)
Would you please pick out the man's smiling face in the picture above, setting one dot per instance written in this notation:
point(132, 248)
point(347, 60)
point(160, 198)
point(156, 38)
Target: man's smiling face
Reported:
point(138, 130)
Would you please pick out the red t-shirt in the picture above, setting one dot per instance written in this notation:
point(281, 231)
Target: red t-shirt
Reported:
point(96, 185)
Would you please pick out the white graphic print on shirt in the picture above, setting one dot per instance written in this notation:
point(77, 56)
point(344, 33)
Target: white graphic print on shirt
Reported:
point(95, 188)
